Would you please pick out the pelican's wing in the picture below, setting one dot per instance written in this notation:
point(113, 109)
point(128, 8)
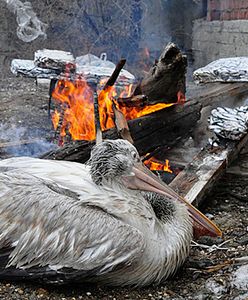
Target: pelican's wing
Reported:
point(45, 227)
point(65, 173)
point(70, 175)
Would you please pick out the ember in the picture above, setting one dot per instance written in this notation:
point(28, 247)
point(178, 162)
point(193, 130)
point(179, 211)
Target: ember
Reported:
point(156, 165)
point(76, 100)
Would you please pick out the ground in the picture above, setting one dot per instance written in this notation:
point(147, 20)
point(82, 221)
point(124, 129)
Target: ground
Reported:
point(215, 269)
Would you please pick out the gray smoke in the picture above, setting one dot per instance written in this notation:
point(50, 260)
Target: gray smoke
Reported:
point(14, 137)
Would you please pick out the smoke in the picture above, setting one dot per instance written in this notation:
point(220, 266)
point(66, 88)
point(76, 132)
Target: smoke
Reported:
point(14, 136)
point(29, 26)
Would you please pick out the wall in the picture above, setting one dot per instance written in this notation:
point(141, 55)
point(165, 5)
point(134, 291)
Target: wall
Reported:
point(219, 39)
point(227, 10)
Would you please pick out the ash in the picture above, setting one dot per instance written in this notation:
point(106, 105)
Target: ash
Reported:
point(218, 274)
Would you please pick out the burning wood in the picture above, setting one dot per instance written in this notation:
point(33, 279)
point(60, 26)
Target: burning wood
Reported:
point(166, 78)
point(163, 127)
point(139, 101)
point(79, 116)
point(156, 165)
point(122, 125)
point(97, 119)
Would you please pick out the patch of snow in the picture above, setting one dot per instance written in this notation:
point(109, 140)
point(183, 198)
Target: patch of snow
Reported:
point(240, 278)
point(216, 288)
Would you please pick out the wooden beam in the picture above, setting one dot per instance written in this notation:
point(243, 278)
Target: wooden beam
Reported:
point(217, 93)
point(197, 179)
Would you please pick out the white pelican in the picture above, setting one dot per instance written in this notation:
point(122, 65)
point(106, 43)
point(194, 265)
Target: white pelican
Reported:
point(109, 221)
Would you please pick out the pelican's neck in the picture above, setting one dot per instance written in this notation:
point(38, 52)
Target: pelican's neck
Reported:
point(169, 238)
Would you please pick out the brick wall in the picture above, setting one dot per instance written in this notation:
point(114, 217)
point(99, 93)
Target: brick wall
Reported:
point(227, 10)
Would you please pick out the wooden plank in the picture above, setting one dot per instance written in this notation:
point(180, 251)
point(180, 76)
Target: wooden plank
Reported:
point(197, 179)
point(217, 93)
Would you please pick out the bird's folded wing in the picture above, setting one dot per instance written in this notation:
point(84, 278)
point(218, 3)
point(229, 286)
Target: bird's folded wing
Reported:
point(70, 175)
point(46, 226)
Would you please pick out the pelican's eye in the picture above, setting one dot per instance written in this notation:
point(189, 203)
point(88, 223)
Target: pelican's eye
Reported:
point(135, 156)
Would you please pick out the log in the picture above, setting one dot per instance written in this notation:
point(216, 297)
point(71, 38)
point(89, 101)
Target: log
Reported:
point(164, 127)
point(166, 78)
point(133, 101)
point(214, 94)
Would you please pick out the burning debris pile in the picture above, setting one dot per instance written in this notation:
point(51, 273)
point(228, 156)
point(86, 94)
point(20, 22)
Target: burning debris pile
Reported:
point(147, 105)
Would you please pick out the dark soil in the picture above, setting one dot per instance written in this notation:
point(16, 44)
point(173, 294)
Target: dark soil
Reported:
point(210, 272)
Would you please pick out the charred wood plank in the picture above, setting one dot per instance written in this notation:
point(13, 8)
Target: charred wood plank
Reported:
point(133, 101)
point(122, 125)
point(218, 93)
point(166, 78)
point(112, 79)
point(164, 127)
point(198, 178)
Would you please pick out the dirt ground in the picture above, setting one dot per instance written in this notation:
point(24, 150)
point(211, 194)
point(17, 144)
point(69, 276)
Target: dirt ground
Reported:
point(215, 269)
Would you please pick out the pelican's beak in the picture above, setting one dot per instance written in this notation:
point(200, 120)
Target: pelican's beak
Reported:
point(143, 179)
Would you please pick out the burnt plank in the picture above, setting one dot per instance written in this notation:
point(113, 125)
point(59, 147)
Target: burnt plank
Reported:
point(198, 178)
point(217, 93)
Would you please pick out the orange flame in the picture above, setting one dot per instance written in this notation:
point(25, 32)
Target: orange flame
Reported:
point(76, 114)
point(155, 165)
point(55, 119)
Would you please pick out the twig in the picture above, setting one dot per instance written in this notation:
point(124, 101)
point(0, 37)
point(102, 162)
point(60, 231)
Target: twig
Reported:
point(112, 79)
point(212, 247)
point(120, 120)
point(97, 119)
point(121, 124)
point(51, 89)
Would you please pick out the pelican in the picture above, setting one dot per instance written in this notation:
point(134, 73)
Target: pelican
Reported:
point(111, 221)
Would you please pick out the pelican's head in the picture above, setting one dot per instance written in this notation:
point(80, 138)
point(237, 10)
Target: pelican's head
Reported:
point(112, 159)
point(119, 160)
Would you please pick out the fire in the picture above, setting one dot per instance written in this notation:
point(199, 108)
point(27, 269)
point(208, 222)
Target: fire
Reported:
point(55, 119)
point(77, 109)
point(76, 114)
point(155, 165)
